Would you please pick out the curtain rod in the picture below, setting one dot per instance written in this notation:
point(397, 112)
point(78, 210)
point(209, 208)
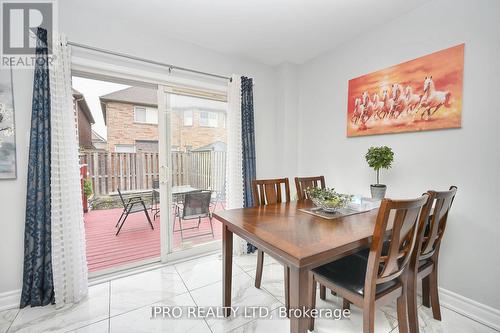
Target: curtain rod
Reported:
point(153, 62)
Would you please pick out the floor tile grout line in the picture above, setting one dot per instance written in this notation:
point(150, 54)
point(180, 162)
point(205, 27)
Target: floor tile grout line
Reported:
point(395, 316)
point(148, 304)
point(211, 283)
point(74, 329)
point(253, 320)
point(256, 319)
point(145, 305)
point(192, 298)
point(90, 322)
point(394, 329)
point(243, 273)
point(469, 318)
point(12, 322)
point(252, 278)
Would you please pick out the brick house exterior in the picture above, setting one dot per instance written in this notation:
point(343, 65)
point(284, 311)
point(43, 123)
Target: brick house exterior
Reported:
point(84, 120)
point(121, 127)
point(188, 132)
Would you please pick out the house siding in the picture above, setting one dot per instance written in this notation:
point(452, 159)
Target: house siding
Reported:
point(122, 129)
point(84, 128)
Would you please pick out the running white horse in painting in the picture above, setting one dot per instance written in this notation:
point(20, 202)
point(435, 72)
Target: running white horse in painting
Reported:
point(368, 104)
point(358, 110)
point(433, 98)
point(399, 99)
point(378, 105)
point(412, 100)
point(388, 104)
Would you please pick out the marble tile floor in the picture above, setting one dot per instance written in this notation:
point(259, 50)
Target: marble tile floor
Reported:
point(124, 305)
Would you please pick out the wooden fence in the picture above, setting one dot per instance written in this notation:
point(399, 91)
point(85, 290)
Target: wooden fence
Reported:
point(136, 171)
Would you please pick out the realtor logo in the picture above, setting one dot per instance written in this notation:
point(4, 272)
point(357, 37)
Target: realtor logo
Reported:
point(20, 21)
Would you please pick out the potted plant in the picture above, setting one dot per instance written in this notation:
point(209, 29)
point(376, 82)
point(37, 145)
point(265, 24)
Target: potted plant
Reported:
point(379, 158)
point(87, 193)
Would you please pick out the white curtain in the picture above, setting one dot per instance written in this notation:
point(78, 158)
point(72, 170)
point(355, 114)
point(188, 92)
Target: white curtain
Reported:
point(234, 159)
point(69, 262)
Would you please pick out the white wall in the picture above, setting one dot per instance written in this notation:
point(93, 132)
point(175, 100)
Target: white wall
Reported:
point(13, 192)
point(100, 30)
point(468, 157)
point(287, 108)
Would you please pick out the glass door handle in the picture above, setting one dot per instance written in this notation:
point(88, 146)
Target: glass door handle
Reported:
point(163, 175)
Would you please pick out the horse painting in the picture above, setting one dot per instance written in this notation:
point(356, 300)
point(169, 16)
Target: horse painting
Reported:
point(417, 95)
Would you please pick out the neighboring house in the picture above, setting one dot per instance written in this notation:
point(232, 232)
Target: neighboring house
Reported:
point(214, 146)
point(131, 118)
point(98, 141)
point(84, 120)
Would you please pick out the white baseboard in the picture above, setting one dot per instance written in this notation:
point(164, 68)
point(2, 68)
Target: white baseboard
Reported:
point(10, 299)
point(469, 308)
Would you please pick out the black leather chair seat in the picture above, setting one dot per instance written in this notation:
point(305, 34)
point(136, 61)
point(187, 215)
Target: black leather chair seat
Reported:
point(423, 264)
point(349, 273)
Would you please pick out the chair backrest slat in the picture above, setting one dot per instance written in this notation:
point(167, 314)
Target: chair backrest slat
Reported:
point(268, 191)
point(303, 183)
point(394, 239)
point(436, 223)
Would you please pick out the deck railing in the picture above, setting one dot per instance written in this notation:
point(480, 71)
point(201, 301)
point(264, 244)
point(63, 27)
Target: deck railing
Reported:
point(136, 171)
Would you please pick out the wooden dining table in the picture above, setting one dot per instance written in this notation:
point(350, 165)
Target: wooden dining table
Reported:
point(298, 240)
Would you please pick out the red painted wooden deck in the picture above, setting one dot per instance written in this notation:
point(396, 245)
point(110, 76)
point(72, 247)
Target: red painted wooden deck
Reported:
point(136, 241)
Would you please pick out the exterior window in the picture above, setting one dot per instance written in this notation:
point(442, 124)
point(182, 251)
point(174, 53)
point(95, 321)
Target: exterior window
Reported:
point(124, 148)
point(188, 118)
point(146, 115)
point(208, 119)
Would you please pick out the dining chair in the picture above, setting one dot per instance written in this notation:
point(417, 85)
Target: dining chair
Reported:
point(425, 259)
point(366, 283)
point(132, 205)
point(268, 192)
point(303, 183)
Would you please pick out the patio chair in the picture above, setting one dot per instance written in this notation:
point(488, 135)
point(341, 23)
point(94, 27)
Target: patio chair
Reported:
point(217, 198)
point(196, 205)
point(155, 199)
point(132, 205)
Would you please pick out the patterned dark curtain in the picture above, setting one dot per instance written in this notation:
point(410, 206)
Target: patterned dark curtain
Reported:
point(248, 141)
point(38, 287)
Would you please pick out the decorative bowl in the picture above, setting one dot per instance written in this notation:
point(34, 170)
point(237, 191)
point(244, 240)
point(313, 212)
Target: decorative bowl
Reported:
point(327, 199)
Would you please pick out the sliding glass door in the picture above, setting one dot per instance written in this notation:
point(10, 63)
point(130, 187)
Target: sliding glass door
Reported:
point(153, 168)
point(117, 130)
point(192, 123)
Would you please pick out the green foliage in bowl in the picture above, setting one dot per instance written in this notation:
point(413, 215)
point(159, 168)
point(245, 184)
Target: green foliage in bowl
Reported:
point(328, 199)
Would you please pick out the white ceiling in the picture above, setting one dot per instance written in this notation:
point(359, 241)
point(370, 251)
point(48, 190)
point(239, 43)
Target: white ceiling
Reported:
point(269, 31)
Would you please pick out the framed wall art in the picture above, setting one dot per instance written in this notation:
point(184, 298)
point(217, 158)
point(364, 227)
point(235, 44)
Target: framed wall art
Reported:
point(417, 95)
point(7, 127)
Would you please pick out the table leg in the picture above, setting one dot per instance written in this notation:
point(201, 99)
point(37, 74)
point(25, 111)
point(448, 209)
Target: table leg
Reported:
point(299, 288)
point(227, 268)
